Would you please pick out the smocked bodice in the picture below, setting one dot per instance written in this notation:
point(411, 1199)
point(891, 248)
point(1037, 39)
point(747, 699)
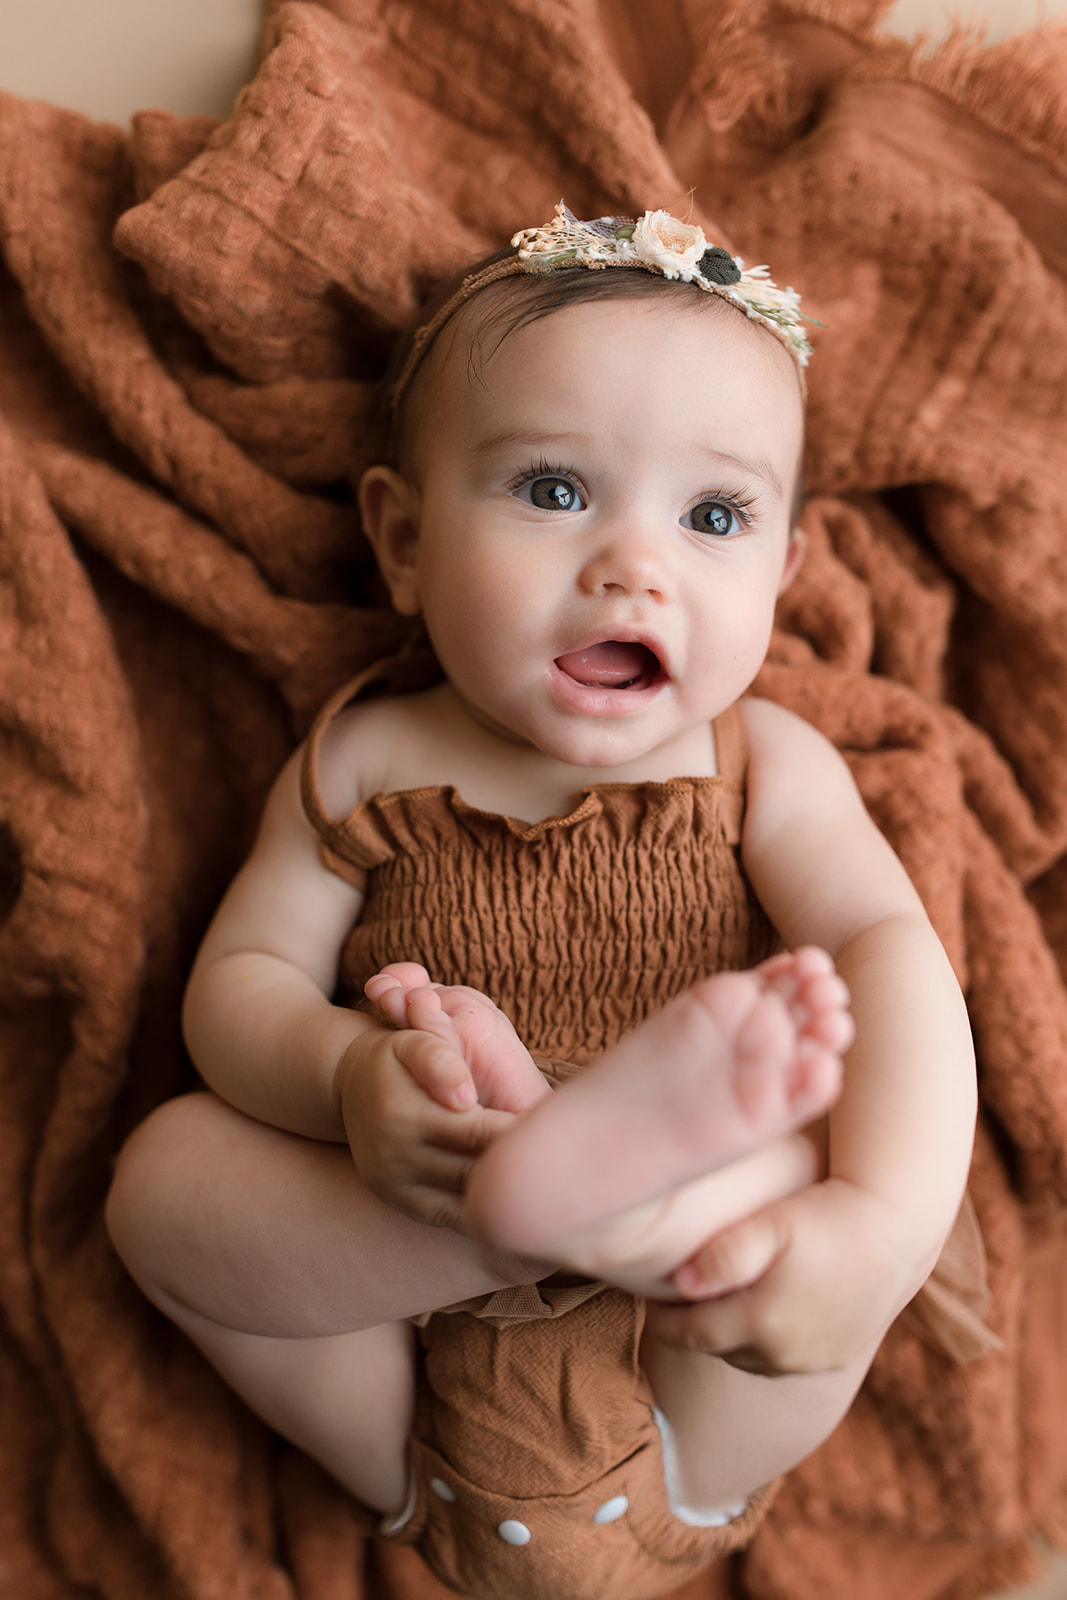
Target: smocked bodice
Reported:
point(579, 926)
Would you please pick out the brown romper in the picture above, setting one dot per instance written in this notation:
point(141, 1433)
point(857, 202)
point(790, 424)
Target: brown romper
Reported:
point(537, 1459)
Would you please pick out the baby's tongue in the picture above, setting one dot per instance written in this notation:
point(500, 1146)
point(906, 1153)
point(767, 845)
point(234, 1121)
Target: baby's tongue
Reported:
point(606, 665)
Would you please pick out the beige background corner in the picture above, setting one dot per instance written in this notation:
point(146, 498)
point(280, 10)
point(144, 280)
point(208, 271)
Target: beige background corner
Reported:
point(110, 58)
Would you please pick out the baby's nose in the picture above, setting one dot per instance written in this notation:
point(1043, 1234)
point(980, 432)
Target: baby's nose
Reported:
point(631, 563)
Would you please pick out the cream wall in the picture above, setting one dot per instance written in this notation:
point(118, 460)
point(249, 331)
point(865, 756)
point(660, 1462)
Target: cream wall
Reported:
point(112, 57)
point(1004, 16)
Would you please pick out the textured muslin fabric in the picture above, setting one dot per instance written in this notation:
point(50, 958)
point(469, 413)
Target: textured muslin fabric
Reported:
point(192, 320)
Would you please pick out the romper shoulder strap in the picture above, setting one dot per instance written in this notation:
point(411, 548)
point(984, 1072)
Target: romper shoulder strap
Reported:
point(731, 743)
point(413, 667)
point(310, 793)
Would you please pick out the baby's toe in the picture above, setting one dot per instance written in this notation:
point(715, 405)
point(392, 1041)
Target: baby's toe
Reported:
point(408, 974)
point(835, 1030)
point(811, 961)
point(459, 997)
point(826, 993)
point(423, 1010)
point(381, 983)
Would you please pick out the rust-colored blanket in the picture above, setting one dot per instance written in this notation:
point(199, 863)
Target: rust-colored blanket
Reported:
point(190, 319)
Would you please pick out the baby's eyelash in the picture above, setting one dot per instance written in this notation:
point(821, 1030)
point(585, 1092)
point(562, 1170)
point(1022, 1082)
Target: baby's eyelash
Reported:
point(541, 469)
point(740, 501)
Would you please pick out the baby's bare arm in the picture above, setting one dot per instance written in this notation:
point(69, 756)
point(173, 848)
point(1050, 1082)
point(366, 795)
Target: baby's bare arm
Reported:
point(257, 1018)
point(831, 1267)
point(904, 1125)
point(266, 1037)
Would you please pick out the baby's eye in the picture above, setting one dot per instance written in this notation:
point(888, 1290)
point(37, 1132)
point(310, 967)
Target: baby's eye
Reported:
point(715, 517)
point(550, 494)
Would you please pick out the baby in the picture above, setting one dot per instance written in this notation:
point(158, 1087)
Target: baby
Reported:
point(567, 829)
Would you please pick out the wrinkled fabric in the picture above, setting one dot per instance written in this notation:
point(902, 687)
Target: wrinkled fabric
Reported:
point(191, 320)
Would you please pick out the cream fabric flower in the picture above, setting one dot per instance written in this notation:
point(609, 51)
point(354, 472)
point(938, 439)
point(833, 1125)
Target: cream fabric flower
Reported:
point(672, 247)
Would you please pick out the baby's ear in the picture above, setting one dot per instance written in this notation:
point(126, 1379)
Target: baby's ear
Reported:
point(794, 558)
point(389, 508)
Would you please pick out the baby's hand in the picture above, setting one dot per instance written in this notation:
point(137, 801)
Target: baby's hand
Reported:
point(808, 1285)
point(489, 1064)
point(413, 1152)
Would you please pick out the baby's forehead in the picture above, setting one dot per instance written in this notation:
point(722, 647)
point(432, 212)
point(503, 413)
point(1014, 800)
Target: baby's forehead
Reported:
point(483, 330)
point(504, 345)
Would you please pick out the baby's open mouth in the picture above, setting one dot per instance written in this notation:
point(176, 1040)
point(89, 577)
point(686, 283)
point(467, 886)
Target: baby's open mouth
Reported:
point(611, 664)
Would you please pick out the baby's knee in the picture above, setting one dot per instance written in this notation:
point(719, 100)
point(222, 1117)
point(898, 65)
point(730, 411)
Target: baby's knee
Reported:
point(147, 1177)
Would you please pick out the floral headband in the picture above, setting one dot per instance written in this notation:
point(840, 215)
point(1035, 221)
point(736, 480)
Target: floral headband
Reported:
point(656, 242)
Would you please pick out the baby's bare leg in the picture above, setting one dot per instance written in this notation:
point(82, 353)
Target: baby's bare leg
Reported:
point(616, 1174)
point(733, 1066)
point(270, 1252)
point(728, 1433)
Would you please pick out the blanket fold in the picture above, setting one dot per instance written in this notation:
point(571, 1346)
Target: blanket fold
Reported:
point(192, 318)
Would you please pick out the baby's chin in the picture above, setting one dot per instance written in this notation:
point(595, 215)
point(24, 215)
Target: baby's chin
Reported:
point(484, 719)
point(588, 747)
point(572, 748)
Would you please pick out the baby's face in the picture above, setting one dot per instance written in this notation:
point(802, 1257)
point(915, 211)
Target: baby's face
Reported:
point(603, 524)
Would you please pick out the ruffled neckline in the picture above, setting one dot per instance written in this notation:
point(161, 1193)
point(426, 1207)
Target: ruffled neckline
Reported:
point(599, 798)
point(591, 801)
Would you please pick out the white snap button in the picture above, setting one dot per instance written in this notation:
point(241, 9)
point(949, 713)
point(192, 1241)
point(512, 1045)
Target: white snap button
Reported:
point(443, 1490)
point(612, 1510)
point(514, 1533)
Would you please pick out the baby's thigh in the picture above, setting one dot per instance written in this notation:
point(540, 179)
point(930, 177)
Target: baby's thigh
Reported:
point(267, 1232)
point(228, 1216)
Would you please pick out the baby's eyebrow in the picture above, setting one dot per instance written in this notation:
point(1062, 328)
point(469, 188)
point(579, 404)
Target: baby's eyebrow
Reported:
point(753, 466)
point(508, 438)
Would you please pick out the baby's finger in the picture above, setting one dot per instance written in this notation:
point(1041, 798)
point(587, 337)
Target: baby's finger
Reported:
point(470, 1132)
point(715, 1327)
point(734, 1259)
point(444, 1170)
point(439, 1070)
point(437, 1208)
point(737, 1330)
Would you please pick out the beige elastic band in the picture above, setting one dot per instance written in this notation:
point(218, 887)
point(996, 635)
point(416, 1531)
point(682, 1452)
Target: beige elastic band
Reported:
point(511, 267)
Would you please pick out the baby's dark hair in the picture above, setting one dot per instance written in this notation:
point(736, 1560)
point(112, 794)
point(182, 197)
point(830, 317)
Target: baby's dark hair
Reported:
point(501, 308)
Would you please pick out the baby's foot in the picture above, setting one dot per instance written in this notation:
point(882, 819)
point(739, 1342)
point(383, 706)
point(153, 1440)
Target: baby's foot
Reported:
point(619, 1159)
point(502, 1074)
